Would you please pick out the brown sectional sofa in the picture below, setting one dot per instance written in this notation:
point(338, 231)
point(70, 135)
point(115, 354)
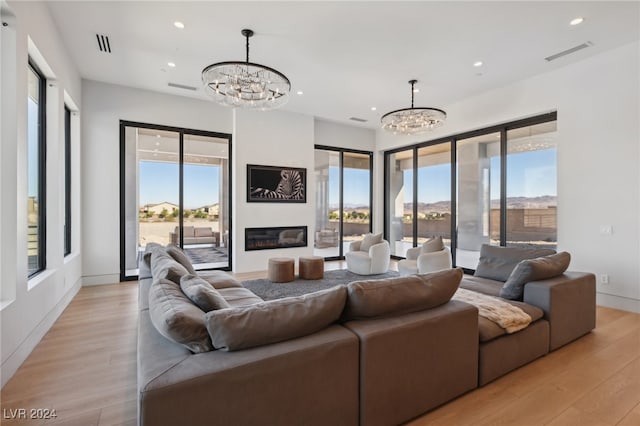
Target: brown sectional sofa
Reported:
point(379, 367)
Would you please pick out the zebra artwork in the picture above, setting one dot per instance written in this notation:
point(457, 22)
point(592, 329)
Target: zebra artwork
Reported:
point(275, 184)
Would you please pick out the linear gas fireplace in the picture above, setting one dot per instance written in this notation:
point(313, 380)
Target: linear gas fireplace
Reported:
point(275, 237)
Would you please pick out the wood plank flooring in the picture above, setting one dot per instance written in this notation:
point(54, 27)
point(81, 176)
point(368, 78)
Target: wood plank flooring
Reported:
point(85, 369)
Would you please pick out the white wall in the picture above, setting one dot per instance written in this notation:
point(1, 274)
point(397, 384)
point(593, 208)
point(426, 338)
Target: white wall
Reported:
point(104, 105)
point(339, 135)
point(28, 308)
point(273, 138)
point(598, 158)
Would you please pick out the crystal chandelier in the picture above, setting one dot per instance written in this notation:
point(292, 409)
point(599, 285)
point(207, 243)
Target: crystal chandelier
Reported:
point(246, 84)
point(411, 121)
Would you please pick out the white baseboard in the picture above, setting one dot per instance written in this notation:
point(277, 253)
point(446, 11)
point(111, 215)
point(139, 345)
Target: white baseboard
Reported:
point(618, 302)
point(88, 280)
point(15, 360)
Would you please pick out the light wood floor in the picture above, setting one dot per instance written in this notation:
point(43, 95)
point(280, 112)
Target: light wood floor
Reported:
point(85, 369)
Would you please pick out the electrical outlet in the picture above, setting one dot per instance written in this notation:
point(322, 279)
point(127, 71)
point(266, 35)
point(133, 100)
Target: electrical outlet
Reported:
point(604, 279)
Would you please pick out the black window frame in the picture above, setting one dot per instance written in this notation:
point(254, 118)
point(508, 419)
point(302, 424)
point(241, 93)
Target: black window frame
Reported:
point(67, 181)
point(42, 168)
point(502, 129)
point(182, 131)
point(342, 151)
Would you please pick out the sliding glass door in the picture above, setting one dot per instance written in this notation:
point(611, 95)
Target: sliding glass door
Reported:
point(174, 190)
point(494, 186)
point(343, 199)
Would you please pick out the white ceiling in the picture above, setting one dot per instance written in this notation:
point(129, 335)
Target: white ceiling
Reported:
point(345, 56)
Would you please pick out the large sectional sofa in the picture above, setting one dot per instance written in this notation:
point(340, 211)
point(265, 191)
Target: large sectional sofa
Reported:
point(375, 352)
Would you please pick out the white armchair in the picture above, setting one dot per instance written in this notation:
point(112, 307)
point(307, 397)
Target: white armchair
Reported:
point(418, 262)
point(375, 260)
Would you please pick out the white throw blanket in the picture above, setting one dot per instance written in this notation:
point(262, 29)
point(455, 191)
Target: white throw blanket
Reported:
point(507, 316)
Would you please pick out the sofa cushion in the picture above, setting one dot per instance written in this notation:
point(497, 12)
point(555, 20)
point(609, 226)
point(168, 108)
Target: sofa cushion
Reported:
point(432, 245)
point(370, 240)
point(189, 231)
point(374, 298)
point(540, 268)
point(148, 250)
point(180, 257)
point(275, 320)
point(239, 296)
point(202, 293)
point(203, 232)
point(481, 285)
point(176, 317)
point(164, 266)
point(497, 262)
point(219, 279)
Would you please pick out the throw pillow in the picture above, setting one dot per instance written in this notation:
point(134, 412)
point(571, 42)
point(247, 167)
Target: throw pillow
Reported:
point(202, 293)
point(179, 256)
point(275, 320)
point(497, 263)
point(176, 318)
point(541, 268)
point(432, 245)
point(393, 296)
point(163, 266)
point(370, 240)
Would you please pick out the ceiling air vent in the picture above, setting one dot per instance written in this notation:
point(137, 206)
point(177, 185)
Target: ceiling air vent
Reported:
point(359, 120)
point(568, 51)
point(103, 43)
point(182, 86)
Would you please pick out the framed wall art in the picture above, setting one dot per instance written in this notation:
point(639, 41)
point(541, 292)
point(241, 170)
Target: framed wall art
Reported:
point(274, 184)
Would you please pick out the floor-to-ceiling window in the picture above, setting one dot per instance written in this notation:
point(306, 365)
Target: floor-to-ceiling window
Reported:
point(67, 181)
point(343, 199)
point(490, 186)
point(36, 169)
point(175, 187)
point(532, 186)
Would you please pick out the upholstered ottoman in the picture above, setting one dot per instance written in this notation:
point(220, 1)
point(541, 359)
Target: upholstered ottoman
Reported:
point(311, 267)
point(281, 269)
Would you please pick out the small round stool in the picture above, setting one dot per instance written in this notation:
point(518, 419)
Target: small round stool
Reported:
point(311, 267)
point(281, 269)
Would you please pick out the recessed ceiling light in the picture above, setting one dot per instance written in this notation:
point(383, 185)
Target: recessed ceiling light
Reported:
point(300, 92)
point(171, 64)
point(373, 108)
point(576, 21)
point(477, 64)
point(178, 24)
point(157, 136)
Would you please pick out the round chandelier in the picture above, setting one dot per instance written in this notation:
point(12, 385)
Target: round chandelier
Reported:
point(411, 121)
point(246, 84)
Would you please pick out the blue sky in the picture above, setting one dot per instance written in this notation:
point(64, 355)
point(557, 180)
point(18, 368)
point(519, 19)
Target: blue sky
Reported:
point(159, 182)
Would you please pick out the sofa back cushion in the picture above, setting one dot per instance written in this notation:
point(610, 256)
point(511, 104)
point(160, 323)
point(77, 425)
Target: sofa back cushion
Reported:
point(219, 279)
point(497, 263)
point(393, 296)
point(370, 240)
point(540, 268)
point(164, 266)
point(202, 232)
point(148, 250)
point(202, 293)
point(176, 317)
point(432, 245)
point(276, 320)
point(179, 256)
